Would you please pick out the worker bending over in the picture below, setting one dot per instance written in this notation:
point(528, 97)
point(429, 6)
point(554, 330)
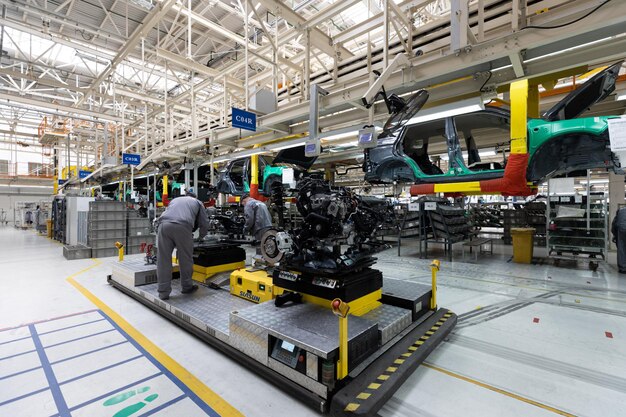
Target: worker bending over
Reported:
point(258, 218)
point(183, 216)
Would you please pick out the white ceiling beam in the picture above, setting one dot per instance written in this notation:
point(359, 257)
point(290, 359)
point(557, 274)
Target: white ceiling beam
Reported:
point(71, 111)
point(214, 26)
point(318, 39)
point(329, 12)
point(141, 31)
point(197, 67)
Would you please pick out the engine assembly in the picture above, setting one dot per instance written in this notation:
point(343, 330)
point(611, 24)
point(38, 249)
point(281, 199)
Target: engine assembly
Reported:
point(337, 235)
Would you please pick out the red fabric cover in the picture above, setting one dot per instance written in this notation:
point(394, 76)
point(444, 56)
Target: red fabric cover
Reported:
point(514, 181)
point(421, 189)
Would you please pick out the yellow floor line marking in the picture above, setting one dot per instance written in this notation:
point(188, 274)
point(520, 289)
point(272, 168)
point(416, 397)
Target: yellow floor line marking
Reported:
point(207, 395)
point(373, 385)
point(363, 396)
point(383, 377)
point(499, 390)
point(391, 369)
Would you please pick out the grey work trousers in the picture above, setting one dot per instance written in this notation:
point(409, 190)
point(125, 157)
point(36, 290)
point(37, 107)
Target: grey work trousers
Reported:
point(173, 235)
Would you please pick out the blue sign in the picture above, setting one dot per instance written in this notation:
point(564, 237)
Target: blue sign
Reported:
point(131, 159)
point(244, 119)
point(61, 182)
point(83, 174)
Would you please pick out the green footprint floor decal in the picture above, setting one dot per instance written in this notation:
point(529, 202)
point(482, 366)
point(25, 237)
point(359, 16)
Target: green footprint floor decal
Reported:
point(133, 408)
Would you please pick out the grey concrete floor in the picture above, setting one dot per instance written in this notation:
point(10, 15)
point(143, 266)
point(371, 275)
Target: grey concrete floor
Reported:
point(532, 340)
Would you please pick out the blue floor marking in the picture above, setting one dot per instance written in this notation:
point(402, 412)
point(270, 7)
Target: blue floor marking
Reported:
point(80, 338)
point(162, 406)
point(19, 373)
point(101, 369)
point(18, 354)
point(15, 340)
point(88, 352)
point(70, 327)
point(55, 387)
point(184, 388)
point(108, 394)
point(24, 396)
point(59, 400)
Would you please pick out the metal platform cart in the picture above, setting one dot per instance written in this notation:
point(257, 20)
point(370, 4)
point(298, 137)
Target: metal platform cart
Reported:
point(578, 228)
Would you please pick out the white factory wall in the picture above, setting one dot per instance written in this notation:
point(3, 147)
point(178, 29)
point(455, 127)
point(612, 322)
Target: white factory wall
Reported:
point(10, 195)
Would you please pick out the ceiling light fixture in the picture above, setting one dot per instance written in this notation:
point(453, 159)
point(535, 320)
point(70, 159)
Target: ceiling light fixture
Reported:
point(447, 110)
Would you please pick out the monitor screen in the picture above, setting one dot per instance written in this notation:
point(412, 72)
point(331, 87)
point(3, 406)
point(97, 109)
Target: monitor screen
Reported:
point(287, 346)
point(366, 137)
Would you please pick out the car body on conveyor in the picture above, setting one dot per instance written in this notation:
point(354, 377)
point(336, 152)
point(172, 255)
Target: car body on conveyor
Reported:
point(558, 142)
point(234, 178)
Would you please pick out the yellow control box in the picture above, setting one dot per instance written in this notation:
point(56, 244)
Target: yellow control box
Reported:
point(203, 273)
point(254, 285)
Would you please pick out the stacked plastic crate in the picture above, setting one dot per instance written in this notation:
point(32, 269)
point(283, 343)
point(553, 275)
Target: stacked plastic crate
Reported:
point(139, 233)
point(107, 225)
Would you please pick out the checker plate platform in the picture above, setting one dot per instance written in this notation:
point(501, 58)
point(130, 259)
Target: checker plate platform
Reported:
point(365, 393)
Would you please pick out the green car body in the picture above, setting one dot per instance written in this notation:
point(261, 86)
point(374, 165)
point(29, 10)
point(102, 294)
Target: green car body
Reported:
point(558, 143)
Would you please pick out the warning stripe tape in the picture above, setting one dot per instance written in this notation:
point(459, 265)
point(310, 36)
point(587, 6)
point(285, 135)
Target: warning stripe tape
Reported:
point(380, 379)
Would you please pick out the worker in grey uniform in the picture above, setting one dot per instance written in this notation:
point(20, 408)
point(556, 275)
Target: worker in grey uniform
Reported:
point(258, 218)
point(176, 226)
point(618, 228)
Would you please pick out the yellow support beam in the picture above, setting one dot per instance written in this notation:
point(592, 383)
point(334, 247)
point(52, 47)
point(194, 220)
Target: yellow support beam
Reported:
point(254, 176)
point(519, 116)
point(458, 187)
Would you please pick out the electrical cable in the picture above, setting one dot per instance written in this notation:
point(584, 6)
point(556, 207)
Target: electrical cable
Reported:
point(568, 23)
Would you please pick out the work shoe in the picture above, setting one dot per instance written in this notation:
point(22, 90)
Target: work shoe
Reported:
point(193, 288)
point(164, 296)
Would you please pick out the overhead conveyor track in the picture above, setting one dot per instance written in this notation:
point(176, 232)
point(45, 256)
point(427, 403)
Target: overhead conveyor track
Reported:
point(491, 46)
point(542, 56)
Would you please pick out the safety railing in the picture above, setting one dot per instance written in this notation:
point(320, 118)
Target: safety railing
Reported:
point(25, 169)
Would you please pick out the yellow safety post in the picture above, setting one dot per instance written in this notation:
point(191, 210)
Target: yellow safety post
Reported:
point(254, 176)
point(120, 251)
point(55, 183)
point(164, 195)
point(434, 267)
point(519, 116)
point(341, 310)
